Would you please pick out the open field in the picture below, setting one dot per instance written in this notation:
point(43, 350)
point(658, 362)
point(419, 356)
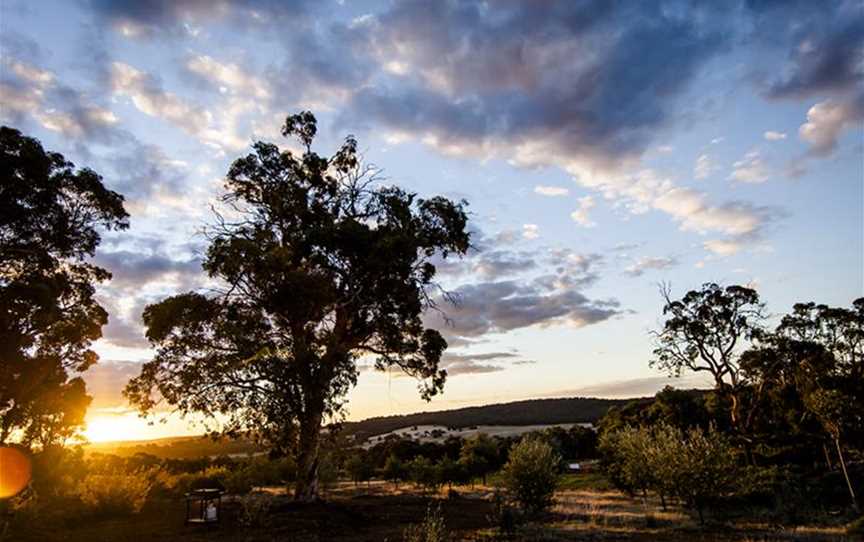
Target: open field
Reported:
point(378, 512)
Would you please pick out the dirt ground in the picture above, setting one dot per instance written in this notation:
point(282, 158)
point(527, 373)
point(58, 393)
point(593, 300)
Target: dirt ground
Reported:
point(378, 513)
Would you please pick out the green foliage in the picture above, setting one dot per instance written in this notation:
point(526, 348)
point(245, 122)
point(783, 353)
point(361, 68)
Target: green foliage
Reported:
point(432, 529)
point(696, 466)
point(424, 473)
point(531, 474)
point(323, 265)
point(49, 317)
point(395, 470)
point(359, 468)
point(113, 494)
point(479, 456)
point(255, 509)
point(705, 331)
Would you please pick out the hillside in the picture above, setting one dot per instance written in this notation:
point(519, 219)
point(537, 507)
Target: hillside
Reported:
point(531, 412)
point(527, 412)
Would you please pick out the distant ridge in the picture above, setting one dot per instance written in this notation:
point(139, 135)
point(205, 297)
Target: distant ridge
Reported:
point(527, 412)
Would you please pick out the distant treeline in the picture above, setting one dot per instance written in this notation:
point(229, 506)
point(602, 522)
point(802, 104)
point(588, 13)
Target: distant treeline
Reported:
point(176, 447)
point(528, 412)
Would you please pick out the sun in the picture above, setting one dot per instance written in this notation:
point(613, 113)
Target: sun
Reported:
point(107, 428)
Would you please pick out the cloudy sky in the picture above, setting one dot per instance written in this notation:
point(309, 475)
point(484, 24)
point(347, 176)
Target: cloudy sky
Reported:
point(603, 147)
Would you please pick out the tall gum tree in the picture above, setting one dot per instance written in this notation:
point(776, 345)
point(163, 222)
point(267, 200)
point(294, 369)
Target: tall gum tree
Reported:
point(50, 218)
point(322, 264)
point(706, 331)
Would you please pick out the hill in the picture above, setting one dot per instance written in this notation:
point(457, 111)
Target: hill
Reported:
point(527, 412)
point(531, 412)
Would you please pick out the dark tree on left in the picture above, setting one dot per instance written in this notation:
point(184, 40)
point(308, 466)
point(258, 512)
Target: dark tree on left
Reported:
point(50, 217)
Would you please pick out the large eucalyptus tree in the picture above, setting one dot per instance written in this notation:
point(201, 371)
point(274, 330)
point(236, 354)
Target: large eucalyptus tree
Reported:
point(321, 264)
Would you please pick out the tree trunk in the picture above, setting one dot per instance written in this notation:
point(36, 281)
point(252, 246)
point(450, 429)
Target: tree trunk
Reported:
point(827, 457)
point(306, 487)
point(846, 474)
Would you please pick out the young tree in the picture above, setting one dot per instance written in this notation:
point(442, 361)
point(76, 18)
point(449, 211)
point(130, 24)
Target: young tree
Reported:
point(394, 470)
point(322, 264)
point(359, 468)
point(706, 331)
point(479, 456)
point(531, 474)
point(50, 215)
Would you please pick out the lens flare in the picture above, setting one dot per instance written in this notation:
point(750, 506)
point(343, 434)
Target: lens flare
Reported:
point(15, 471)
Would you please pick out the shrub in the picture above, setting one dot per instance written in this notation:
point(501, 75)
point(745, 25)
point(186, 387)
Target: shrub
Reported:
point(115, 493)
point(255, 509)
point(698, 467)
point(531, 475)
point(856, 527)
point(432, 529)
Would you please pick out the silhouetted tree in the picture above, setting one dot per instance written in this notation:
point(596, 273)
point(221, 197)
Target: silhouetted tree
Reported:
point(322, 264)
point(706, 331)
point(49, 219)
point(833, 392)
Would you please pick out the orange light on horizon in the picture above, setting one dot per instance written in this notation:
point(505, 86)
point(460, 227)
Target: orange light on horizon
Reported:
point(15, 471)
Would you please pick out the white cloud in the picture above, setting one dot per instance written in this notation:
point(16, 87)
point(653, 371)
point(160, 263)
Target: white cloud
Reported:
point(230, 75)
point(827, 120)
point(148, 97)
point(643, 264)
point(580, 215)
point(723, 247)
point(551, 191)
point(704, 167)
point(530, 231)
point(750, 169)
point(771, 135)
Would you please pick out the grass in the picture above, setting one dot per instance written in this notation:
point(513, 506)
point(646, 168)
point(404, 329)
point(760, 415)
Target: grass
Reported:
point(585, 510)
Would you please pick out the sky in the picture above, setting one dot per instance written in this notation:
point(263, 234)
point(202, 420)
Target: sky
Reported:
point(604, 147)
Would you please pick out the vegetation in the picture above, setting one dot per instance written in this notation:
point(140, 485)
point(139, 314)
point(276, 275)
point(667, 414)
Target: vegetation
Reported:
point(432, 529)
point(528, 412)
point(321, 267)
point(115, 493)
point(531, 475)
point(49, 219)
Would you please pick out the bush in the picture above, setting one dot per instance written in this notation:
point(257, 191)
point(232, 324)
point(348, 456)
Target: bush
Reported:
point(255, 509)
point(856, 527)
point(432, 529)
point(531, 475)
point(698, 467)
point(115, 493)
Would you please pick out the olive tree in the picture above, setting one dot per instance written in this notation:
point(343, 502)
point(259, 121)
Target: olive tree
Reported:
point(531, 474)
point(321, 263)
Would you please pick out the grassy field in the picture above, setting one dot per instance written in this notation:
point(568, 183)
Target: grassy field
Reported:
point(585, 510)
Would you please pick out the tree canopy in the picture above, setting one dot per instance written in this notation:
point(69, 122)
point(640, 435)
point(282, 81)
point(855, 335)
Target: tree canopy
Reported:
point(50, 216)
point(322, 263)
